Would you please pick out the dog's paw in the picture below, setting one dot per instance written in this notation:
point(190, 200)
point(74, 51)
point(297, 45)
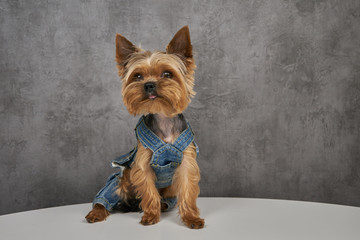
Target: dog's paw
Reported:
point(194, 223)
point(97, 214)
point(150, 219)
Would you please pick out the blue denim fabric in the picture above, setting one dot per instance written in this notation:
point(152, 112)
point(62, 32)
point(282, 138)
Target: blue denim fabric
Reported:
point(107, 196)
point(109, 199)
point(165, 159)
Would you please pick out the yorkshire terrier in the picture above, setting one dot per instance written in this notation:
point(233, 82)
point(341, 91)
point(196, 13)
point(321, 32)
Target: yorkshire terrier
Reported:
point(161, 172)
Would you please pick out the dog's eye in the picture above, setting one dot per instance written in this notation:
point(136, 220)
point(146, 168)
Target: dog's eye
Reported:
point(138, 77)
point(166, 74)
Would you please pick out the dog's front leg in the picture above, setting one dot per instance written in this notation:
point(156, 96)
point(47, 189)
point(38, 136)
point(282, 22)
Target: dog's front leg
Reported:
point(186, 181)
point(143, 178)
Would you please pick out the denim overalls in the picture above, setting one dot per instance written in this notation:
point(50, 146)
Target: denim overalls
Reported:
point(164, 161)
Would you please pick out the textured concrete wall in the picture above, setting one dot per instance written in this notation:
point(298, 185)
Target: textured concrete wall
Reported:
point(277, 110)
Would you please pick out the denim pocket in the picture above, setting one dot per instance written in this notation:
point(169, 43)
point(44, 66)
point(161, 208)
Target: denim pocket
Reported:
point(164, 174)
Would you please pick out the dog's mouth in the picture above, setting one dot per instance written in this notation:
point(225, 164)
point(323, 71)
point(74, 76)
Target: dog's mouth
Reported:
point(152, 96)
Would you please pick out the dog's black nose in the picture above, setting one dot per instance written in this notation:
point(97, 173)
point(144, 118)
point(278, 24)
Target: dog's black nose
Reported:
point(149, 87)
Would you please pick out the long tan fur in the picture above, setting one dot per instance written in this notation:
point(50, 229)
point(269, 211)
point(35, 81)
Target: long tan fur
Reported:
point(173, 95)
point(185, 187)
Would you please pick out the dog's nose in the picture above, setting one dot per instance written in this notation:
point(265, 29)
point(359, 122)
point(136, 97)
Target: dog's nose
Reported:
point(149, 87)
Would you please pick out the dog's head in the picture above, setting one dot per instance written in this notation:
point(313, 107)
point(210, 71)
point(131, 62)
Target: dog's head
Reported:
point(157, 82)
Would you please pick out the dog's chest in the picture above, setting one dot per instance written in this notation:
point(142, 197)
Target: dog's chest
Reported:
point(167, 132)
point(168, 129)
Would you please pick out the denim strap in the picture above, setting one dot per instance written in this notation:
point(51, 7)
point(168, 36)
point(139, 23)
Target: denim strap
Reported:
point(147, 137)
point(184, 139)
point(150, 140)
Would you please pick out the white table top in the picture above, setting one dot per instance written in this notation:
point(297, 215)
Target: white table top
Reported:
point(225, 218)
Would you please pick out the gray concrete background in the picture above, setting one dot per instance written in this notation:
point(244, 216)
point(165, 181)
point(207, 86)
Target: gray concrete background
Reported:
point(276, 115)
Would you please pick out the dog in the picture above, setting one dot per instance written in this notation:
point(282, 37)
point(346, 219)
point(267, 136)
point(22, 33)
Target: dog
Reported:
point(161, 172)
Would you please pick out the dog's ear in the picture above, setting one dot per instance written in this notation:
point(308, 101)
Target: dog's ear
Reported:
point(124, 48)
point(180, 44)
